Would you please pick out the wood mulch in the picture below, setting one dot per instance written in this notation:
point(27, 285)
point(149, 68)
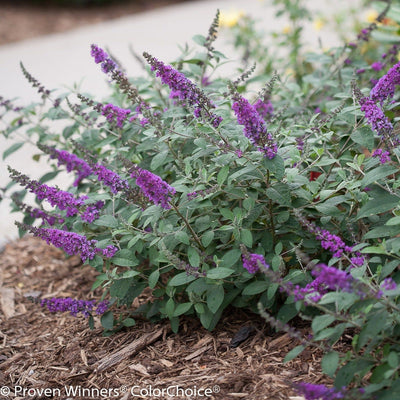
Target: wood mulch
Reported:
point(40, 350)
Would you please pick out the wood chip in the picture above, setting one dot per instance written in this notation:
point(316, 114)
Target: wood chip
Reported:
point(7, 301)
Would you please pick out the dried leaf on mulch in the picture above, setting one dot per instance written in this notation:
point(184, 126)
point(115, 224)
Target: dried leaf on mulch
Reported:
point(39, 349)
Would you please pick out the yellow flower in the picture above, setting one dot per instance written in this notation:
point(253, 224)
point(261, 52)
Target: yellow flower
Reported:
point(371, 16)
point(287, 29)
point(318, 24)
point(228, 19)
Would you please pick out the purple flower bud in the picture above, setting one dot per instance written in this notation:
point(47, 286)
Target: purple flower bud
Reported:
point(153, 187)
point(251, 262)
point(86, 307)
point(184, 89)
point(255, 128)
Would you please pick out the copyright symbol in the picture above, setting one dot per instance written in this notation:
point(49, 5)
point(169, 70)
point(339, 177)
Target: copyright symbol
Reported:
point(5, 390)
point(123, 389)
point(216, 389)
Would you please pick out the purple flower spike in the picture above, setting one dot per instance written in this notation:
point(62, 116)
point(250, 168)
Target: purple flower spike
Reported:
point(115, 114)
point(86, 307)
point(153, 187)
point(375, 116)
point(101, 57)
point(319, 392)
point(254, 127)
point(110, 178)
point(384, 155)
point(72, 243)
point(251, 262)
point(72, 162)
point(184, 89)
point(385, 87)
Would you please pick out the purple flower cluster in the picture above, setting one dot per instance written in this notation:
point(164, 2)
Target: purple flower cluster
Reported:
point(101, 57)
point(384, 155)
point(375, 116)
point(264, 108)
point(331, 242)
point(72, 162)
point(255, 128)
point(385, 87)
point(110, 178)
point(184, 89)
point(46, 217)
point(59, 198)
point(377, 66)
point(319, 392)
point(142, 107)
point(84, 169)
point(115, 114)
point(153, 187)
point(252, 262)
point(86, 307)
point(72, 243)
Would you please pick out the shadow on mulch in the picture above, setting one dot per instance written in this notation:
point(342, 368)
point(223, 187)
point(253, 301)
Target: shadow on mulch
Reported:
point(40, 350)
point(25, 19)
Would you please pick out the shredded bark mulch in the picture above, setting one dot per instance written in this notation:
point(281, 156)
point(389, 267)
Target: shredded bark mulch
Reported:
point(42, 350)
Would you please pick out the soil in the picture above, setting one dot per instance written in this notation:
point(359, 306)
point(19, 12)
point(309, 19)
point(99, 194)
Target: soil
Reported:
point(24, 19)
point(42, 350)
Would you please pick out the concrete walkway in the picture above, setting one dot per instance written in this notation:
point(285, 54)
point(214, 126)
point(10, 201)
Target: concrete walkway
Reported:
point(62, 60)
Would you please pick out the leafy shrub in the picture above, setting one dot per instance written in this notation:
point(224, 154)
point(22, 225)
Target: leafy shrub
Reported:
point(211, 195)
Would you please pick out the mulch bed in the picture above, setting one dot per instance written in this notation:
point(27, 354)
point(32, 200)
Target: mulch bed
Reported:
point(39, 349)
point(25, 19)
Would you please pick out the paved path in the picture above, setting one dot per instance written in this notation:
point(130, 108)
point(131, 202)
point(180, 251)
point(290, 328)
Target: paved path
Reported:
point(61, 60)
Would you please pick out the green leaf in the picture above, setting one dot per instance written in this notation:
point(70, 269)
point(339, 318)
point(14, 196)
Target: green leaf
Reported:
point(182, 309)
point(378, 205)
point(382, 231)
point(333, 333)
point(106, 220)
point(375, 324)
point(219, 273)
point(120, 288)
point(230, 258)
point(246, 237)
point(207, 238)
point(181, 279)
point(321, 321)
point(352, 369)
point(182, 237)
point(222, 175)
point(199, 39)
point(193, 256)
point(49, 176)
point(128, 322)
point(293, 353)
point(255, 288)
point(364, 136)
point(107, 320)
point(287, 312)
point(125, 258)
point(215, 297)
point(329, 363)
point(12, 149)
point(275, 166)
point(280, 193)
point(377, 174)
point(153, 278)
point(170, 307)
point(393, 359)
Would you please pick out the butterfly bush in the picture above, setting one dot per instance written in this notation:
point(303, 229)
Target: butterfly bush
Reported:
point(274, 189)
